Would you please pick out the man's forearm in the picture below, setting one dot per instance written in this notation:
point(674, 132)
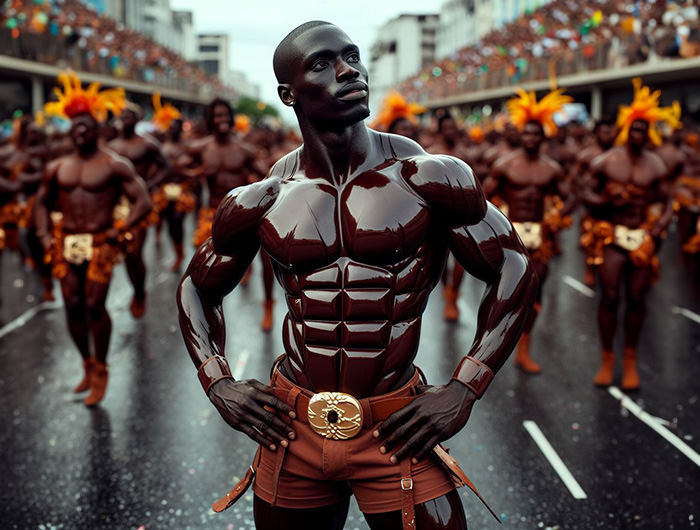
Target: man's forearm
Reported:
point(204, 331)
point(502, 314)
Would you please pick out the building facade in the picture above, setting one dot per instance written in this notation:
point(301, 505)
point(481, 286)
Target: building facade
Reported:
point(404, 45)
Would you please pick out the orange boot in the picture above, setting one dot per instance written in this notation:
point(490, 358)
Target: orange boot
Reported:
point(246, 276)
point(630, 377)
point(137, 306)
point(266, 324)
point(179, 255)
point(522, 356)
point(604, 376)
point(88, 365)
point(451, 310)
point(98, 384)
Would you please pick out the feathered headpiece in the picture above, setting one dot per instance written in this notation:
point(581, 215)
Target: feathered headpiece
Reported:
point(525, 108)
point(74, 100)
point(645, 106)
point(163, 115)
point(241, 123)
point(394, 107)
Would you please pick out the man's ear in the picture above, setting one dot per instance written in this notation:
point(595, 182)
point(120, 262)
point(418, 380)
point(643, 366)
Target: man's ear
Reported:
point(286, 95)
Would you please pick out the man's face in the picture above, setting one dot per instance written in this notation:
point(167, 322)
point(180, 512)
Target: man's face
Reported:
point(35, 135)
point(448, 129)
point(330, 84)
point(639, 133)
point(84, 131)
point(129, 119)
point(221, 119)
point(532, 137)
point(605, 134)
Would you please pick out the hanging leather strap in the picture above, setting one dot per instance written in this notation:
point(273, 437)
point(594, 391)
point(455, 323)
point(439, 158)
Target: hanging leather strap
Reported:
point(239, 489)
point(408, 504)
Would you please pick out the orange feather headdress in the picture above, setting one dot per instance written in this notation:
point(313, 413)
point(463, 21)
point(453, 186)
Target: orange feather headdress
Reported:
point(163, 115)
point(394, 107)
point(645, 106)
point(525, 108)
point(73, 100)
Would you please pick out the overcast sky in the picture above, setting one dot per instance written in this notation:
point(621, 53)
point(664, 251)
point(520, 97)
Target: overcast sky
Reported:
point(255, 30)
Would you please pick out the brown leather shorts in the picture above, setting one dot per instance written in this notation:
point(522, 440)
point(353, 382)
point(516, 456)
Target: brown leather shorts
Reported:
point(315, 471)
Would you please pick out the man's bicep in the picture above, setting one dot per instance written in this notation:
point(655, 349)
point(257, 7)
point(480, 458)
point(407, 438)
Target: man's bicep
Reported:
point(215, 275)
point(480, 248)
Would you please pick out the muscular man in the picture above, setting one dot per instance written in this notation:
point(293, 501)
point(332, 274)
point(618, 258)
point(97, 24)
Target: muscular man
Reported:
point(85, 187)
point(144, 153)
point(604, 132)
point(524, 179)
point(358, 224)
point(225, 162)
point(27, 165)
point(630, 178)
point(176, 188)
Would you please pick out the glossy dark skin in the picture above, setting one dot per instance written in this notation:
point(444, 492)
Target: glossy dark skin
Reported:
point(85, 187)
point(358, 225)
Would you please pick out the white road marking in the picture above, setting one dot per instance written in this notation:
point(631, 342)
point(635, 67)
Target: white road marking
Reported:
point(553, 458)
point(687, 313)
point(240, 364)
point(579, 286)
point(655, 424)
point(28, 315)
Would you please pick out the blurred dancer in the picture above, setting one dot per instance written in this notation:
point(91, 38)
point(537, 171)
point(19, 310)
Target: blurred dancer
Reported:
point(146, 156)
point(175, 188)
point(84, 188)
point(630, 179)
point(604, 132)
point(225, 162)
point(524, 179)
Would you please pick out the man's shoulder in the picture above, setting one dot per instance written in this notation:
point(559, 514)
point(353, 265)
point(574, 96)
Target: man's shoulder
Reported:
point(286, 166)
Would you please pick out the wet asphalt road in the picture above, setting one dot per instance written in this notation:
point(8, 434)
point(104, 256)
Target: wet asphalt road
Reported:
point(155, 454)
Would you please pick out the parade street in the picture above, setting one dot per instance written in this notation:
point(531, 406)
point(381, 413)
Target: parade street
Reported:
point(546, 451)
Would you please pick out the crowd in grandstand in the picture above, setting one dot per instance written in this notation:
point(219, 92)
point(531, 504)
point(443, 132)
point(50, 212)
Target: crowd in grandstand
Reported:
point(566, 36)
point(71, 33)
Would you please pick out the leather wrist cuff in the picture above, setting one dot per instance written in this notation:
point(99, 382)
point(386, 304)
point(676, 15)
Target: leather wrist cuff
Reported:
point(473, 374)
point(212, 370)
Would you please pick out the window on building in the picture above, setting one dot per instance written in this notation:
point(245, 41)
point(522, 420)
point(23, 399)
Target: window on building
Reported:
point(208, 47)
point(210, 66)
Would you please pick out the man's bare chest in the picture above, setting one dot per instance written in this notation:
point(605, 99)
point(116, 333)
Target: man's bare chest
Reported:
point(374, 219)
point(218, 158)
point(92, 177)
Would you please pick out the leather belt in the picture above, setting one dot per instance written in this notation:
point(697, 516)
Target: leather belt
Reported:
point(340, 416)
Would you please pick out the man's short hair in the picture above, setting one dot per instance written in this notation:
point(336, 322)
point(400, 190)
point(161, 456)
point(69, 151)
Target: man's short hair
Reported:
point(606, 119)
point(280, 58)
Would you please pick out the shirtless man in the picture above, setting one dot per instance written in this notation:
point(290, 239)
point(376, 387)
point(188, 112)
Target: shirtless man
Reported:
point(604, 132)
point(630, 178)
point(523, 179)
point(144, 153)
point(176, 188)
point(85, 187)
point(358, 224)
point(448, 142)
point(225, 162)
point(27, 164)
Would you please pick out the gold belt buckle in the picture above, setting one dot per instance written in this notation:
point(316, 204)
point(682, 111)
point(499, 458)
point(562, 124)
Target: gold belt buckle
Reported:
point(77, 248)
point(335, 415)
point(628, 238)
point(172, 191)
point(530, 233)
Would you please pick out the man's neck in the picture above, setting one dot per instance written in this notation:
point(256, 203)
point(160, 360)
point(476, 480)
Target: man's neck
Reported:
point(335, 154)
point(222, 138)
